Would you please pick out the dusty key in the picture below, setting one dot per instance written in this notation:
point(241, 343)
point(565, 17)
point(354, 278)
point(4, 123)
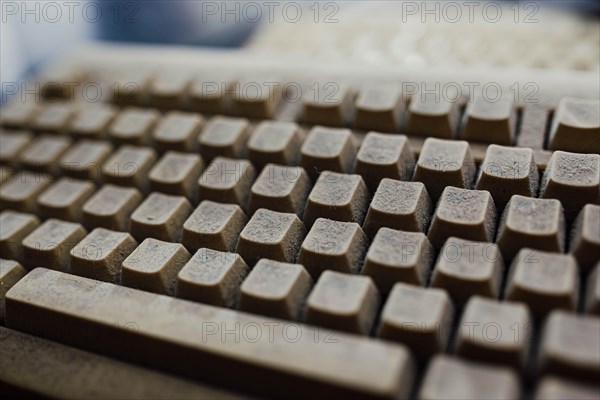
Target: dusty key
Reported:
point(342, 301)
point(177, 131)
point(64, 199)
point(273, 235)
point(592, 301)
point(160, 216)
point(12, 144)
point(444, 163)
point(432, 117)
point(544, 281)
point(506, 171)
point(224, 137)
point(14, 227)
point(570, 347)
point(44, 153)
point(84, 159)
point(507, 342)
point(133, 126)
point(554, 388)
point(110, 207)
point(54, 118)
point(489, 120)
point(10, 273)
point(384, 156)
point(327, 149)
point(584, 243)
point(257, 98)
point(129, 166)
point(227, 180)
point(327, 103)
point(452, 378)
point(417, 317)
point(378, 108)
point(212, 277)
point(167, 90)
point(130, 86)
point(20, 192)
point(207, 94)
point(399, 205)
point(276, 142)
point(92, 121)
point(177, 174)
point(275, 289)
point(341, 197)
point(280, 188)
point(100, 254)
point(48, 246)
point(576, 126)
point(535, 223)
point(353, 367)
point(397, 256)
point(17, 114)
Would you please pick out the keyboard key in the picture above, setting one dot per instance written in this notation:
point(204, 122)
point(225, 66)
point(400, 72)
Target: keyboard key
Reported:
point(111, 207)
point(5, 173)
point(133, 126)
point(494, 332)
point(544, 281)
point(92, 121)
point(327, 149)
point(53, 118)
point(153, 266)
point(64, 199)
point(570, 346)
point(354, 367)
point(532, 129)
point(257, 99)
point(84, 159)
point(275, 289)
point(160, 216)
point(465, 268)
point(378, 108)
point(535, 223)
point(224, 137)
point(585, 237)
point(178, 131)
point(490, 120)
point(399, 205)
point(432, 117)
point(129, 166)
point(574, 179)
point(212, 277)
point(384, 156)
point(444, 163)
point(12, 144)
point(20, 192)
point(177, 174)
point(18, 114)
point(275, 142)
point(273, 235)
point(48, 246)
point(553, 388)
point(280, 188)
point(227, 180)
point(576, 126)
point(100, 254)
point(417, 317)
point(327, 103)
point(452, 378)
point(339, 246)
point(397, 256)
point(10, 273)
point(592, 302)
point(467, 214)
point(340, 197)
point(208, 94)
point(506, 171)
point(44, 153)
point(167, 90)
point(14, 227)
point(345, 302)
point(130, 86)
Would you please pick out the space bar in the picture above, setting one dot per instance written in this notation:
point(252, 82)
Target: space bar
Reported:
point(239, 350)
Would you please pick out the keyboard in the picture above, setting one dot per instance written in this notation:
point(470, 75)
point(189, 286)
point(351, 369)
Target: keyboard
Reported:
point(181, 223)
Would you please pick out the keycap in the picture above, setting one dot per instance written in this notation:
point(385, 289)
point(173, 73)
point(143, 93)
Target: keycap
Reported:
point(48, 246)
point(130, 86)
point(177, 174)
point(177, 131)
point(64, 199)
point(570, 346)
point(275, 289)
point(84, 159)
point(341, 197)
point(59, 83)
point(280, 188)
point(576, 126)
point(212, 277)
point(133, 126)
point(327, 103)
point(399, 205)
point(352, 367)
point(398, 256)
point(494, 332)
point(5, 173)
point(167, 90)
point(53, 118)
point(100, 254)
point(256, 98)
point(153, 266)
point(574, 179)
point(431, 117)
point(327, 149)
point(554, 388)
point(20, 192)
point(467, 214)
point(273, 235)
point(44, 153)
point(417, 317)
point(535, 223)
point(213, 225)
point(14, 227)
point(384, 156)
point(10, 273)
point(208, 94)
point(276, 142)
point(111, 207)
point(592, 302)
point(506, 171)
point(466, 268)
point(18, 114)
point(227, 180)
point(544, 281)
point(160, 216)
point(12, 145)
point(444, 163)
point(129, 166)
point(224, 137)
point(452, 378)
point(334, 245)
point(378, 108)
point(92, 121)
point(584, 243)
point(532, 129)
point(344, 302)
point(489, 119)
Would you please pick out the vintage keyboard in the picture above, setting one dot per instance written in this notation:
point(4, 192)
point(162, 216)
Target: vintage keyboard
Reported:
point(225, 225)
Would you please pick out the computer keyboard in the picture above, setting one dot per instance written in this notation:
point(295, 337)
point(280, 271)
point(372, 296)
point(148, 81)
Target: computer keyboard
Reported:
point(217, 232)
